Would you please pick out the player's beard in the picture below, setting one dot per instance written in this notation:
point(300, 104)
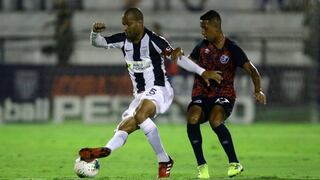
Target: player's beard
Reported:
point(132, 36)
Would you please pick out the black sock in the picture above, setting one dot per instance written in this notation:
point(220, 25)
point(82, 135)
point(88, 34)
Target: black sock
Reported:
point(195, 139)
point(226, 142)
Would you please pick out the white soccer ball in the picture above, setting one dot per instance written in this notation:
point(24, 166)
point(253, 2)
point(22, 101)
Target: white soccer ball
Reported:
point(86, 169)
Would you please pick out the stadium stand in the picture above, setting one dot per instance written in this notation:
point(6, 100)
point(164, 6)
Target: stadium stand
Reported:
point(241, 21)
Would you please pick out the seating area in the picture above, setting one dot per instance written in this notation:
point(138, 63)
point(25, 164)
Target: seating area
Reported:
point(278, 33)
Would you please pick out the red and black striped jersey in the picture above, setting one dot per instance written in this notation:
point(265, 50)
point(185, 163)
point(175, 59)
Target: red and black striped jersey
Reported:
point(226, 60)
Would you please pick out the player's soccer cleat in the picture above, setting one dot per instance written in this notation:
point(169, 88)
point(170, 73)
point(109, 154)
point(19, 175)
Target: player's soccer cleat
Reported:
point(203, 171)
point(234, 169)
point(89, 154)
point(165, 168)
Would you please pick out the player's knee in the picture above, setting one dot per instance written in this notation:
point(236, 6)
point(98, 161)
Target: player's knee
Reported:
point(193, 119)
point(216, 120)
point(139, 117)
point(146, 110)
point(128, 129)
point(217, 116)
point(215, 123)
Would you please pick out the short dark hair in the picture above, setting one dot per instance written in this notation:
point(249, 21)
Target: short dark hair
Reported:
point(137, 14)
point(211, 16)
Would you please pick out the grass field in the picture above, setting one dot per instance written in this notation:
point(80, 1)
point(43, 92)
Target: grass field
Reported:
point(267, 151)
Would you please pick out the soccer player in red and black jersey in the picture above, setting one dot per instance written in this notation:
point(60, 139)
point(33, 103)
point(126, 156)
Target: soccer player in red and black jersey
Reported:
point(214, 103)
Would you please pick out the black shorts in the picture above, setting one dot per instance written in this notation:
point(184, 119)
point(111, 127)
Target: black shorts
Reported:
point(207, 104)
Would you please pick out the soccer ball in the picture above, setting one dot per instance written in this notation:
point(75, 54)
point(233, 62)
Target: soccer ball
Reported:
point(86, 169)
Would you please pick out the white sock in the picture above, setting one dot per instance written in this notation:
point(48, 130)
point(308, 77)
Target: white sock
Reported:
point(118, 140)
point(151, 131)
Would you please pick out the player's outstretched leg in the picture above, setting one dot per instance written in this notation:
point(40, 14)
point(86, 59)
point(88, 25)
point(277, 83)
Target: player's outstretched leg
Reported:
point(118, 140)
point(89, 154)
point(165, 168)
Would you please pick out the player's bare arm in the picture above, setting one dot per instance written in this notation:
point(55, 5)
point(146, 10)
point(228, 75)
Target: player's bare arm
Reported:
point(256, 79)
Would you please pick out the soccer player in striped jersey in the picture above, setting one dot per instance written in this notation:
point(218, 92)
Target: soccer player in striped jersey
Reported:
point(144, 53)
point(214, 103)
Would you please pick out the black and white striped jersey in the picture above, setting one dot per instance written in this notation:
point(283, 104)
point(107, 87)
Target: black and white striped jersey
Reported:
point(145, 60)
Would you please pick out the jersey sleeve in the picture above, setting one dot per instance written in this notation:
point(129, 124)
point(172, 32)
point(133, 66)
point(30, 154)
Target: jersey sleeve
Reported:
point(239, 55)
point(116, 40)
point(162, 46)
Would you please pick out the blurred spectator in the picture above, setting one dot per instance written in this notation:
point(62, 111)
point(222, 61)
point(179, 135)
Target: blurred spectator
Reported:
point(63, 34)
point(163, 4)
point(192, 7)
point(130, 3)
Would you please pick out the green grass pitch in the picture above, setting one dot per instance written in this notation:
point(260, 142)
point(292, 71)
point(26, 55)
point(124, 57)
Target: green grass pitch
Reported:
point(267, 151)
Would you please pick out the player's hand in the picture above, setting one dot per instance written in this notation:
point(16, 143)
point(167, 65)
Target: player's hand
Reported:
point(215, 75)
point(261, 97)
point(98, 27)
point(176, 54)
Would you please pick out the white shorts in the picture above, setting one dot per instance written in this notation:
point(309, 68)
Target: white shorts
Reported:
point(161, 96)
